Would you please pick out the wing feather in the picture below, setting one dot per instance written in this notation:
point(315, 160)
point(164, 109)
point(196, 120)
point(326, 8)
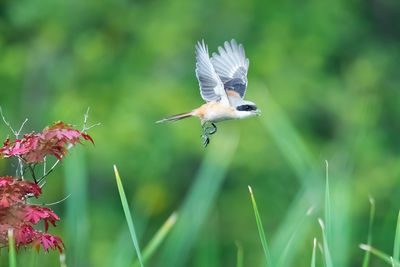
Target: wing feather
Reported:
point(211, 86)
point(232, 66)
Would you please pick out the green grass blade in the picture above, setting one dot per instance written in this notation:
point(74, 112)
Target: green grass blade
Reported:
point(382, 255)
point(286, 137)
point(302, 161)
point(369, 239)
point(62, 260)
point(261, 230)
point(199, 200)
point(158, 238)
point(328, 216)
point(128, 215)
point(327, 254)
point(206, 251)
point(11, 246)
point(76, 208)
point(396, 247)
point(313, 253)
point(121, 254)
point(289, 246)
point(239, 257)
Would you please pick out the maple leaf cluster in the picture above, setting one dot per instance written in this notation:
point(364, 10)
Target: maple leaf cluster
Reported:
point(16, 214)
point(34, 147)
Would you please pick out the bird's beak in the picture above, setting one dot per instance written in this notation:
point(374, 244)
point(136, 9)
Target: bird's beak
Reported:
point(258, 112)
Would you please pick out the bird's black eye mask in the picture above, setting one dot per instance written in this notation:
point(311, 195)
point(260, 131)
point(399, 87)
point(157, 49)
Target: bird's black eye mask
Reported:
point(246, 108)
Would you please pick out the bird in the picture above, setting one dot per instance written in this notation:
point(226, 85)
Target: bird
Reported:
point(223, 82)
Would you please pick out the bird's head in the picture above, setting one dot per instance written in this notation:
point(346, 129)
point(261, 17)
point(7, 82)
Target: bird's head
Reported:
point(247, 109)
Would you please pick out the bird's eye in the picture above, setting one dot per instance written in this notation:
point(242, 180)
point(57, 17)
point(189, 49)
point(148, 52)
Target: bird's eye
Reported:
point(242, 107)
point(246, 108)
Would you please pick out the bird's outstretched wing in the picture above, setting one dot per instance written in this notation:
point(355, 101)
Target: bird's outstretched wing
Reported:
point(211, 86)
point(231, 66)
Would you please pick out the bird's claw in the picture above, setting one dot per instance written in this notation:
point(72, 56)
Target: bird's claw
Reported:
point(214, 130)
point(206, 140)
point(208, 130)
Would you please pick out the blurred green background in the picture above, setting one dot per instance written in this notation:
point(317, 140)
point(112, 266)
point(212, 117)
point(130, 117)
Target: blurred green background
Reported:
point(324, 73)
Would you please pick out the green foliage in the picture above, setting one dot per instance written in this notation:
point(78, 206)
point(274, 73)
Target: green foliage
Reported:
point(383, 256)
point(11, 254)
point(313, 253)
point(328, 216)
point(76, 207)
point(268, 258)
point(157, 239)
point(393, 260)
point(128, 215)
point(396, 247)
point(323, 73)
point(326, 252)
point(198, 202)
point(239, 256)
point(369, 240)
point(326, 227)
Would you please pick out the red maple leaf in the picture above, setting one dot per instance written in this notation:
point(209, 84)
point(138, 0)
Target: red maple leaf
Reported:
point(16, 214)
point(33, 214)
point(52, 141)
point(51, 241)
point(15, 191)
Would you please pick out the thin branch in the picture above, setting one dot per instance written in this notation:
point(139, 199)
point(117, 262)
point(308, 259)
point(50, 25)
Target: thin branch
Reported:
point(9, 125)
point(44, 165)
point(91, 126)
point(16, 134)
point(49, 171)
point(32, 170)
point(41, 185)
point(20, 129)
point(84, 129)
point(85, 119)
point(57, 202)
point(6, 122)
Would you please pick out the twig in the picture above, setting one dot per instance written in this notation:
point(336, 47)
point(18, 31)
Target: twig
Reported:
point(84, 129)
point(20, 128)
point(6, 122)
point(91, 126)
point(49, 171)
point(85, 119)
point(32, 170)
point(41, 185)
point(16, 134)
point(44, 164)
point(57, 202)
point(9, 125)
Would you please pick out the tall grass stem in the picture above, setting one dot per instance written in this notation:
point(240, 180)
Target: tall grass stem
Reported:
point(369, 239)
point(261, 230)
point(11, 247)
point(128, 215)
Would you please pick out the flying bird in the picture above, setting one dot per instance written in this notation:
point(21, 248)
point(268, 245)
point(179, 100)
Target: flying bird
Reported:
point(223, 82)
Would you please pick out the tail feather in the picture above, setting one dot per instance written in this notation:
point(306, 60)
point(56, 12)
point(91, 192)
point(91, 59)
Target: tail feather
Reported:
point(176, 117)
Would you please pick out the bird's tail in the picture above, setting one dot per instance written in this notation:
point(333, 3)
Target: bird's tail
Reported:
point(177, 117)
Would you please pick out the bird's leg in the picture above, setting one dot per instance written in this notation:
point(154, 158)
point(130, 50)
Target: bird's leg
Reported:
point(214, 130)
point(210, 129)
point(205, 136)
